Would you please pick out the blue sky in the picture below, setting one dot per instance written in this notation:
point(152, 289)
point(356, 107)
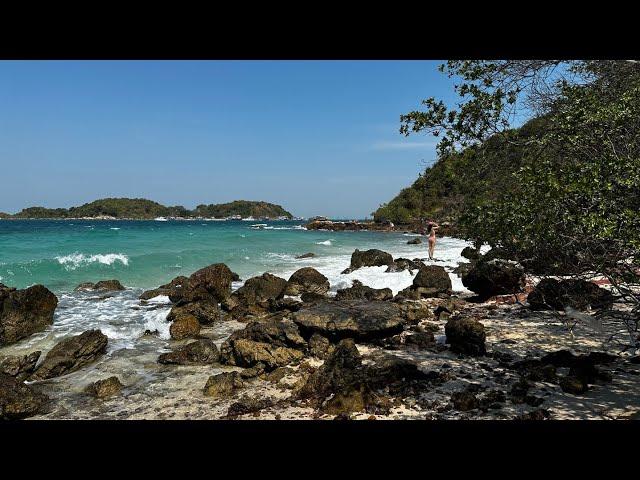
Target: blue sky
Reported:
point(317, 137)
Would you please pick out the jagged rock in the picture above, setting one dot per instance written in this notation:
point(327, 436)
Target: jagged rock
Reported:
point(573, 385)
point(18, 400)
point(256, 296)
point(312, 297)
point(24, 312)
point(103, 285)
point(247, 405)
point(401, 264)
point(200, 352)
point(206, 312)
point(306, 255)
point(273, 343)
point(166, 289)
point(470, 253)
point(184, 326)
point(351, 318)
point(358, 291)
point(465, 335)
point(414, 241)
point(320, 346)
point(433, 277)
point(255, 371)
point(464, 401)
point(369, 258)
point(105, 388)
point(494, 277)
point(579, 294)
point(223, 384)
point(212, 283)
point(19, 366)
point(307, 280)
point(71, 354)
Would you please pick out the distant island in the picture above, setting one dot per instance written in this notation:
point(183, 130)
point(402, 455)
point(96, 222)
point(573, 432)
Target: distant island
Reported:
point(143, 209)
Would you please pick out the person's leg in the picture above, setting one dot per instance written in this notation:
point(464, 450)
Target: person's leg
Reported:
point(431, 245)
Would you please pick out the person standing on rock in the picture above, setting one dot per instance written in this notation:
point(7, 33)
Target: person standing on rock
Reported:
point(431, 231)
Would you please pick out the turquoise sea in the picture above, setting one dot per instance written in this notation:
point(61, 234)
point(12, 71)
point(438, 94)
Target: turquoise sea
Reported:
point(60, 254)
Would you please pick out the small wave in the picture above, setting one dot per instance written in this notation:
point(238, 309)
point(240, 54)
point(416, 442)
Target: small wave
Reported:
point(114, 228)
point(75, 260)
point(326, 242)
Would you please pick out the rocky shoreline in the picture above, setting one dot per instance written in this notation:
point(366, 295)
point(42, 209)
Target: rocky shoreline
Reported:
point(280, 348)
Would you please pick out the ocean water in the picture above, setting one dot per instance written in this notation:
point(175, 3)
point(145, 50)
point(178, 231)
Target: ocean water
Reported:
point(144, 254)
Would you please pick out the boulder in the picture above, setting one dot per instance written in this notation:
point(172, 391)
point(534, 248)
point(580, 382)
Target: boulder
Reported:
point(552, 294)
point(369, 258)
point(166, 289)
point(273, 343)
point(212, 283)
point(223, 384)
point(494, 277)
point(319, 346)
point(72, 354)
point(433, 277)
point(200, 352)
point(313, 298)
point(307, 280)
point(464, 401)
point(306, 255)
point(247, 405)
point(19, 366)
point(24, 312)
point(358, 291)
point(18, 400)
point(102, 285)
point(414, 241)
point(350, 318)
point(257, 291)
point(465, 335)
point(184, 326)
point(401, 264)
point(105, 388)
point(206, 312)
point(470, 253)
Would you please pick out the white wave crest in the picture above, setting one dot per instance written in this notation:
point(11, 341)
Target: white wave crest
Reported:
point(326, 242)
point(75, 260)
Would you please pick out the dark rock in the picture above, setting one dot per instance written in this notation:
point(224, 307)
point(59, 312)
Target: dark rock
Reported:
point(464, 401)
point(307, 280)
point(312, 298)
point(206, 312)
point(306, 255)
point(18, 400)
point(212, 283)
point(19, 366)
point(519, 390)
point(494, 277)
point(433, 277)
point(248, 405)
point(103, 285)
point(536, 370)
point(552, 294)
point(401, 264)
point(184, 326)
point(466, 335)
point(369, 258)
point(166, 289)
point(223, 384)
point(71, 354)
point(255, 371)
point(320, 346)
point(463, 268)
point(105, 388)
point(573, 385)
point(540, 414)
point(200, 352)
point(24, 312)
point(414, 241)
point(420, 340)
point(363, 292)
point(272, 343)
point(351, 318)
point(470, 253)
point(256, 292)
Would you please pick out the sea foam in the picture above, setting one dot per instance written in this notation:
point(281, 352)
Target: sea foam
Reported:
point(75, 260)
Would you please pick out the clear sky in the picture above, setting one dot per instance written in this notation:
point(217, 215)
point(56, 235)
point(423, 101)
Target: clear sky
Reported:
point(317, 137)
